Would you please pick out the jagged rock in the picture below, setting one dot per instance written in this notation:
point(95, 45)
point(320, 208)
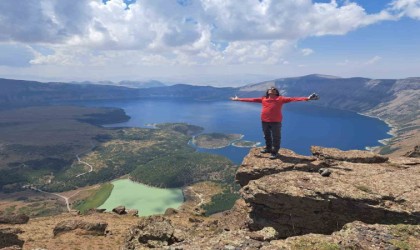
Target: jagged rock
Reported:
point(170, 211)
point(357, 156)
point(236, 217)
point(100, 210)
point(195, 220)
point(255, 166)
point(14, 219)
point(265, 234)
point(97, 228)
point(199, 211)
point(324, 172)
point(415, 153)
point(9, 238)
point(404, 161)
point(237, 239)
point(119, 210)
point(355, 235)
point(152, 231)
point(133, 212)
point(297, 202)
point(95, 211)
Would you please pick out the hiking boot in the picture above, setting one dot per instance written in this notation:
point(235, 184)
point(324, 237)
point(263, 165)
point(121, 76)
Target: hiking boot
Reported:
point(274, 156)
point(265, 151)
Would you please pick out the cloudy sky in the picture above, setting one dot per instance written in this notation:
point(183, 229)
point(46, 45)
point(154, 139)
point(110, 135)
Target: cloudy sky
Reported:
point(215, 42)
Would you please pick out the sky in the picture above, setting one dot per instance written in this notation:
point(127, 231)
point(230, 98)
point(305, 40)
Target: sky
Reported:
point(208, 42)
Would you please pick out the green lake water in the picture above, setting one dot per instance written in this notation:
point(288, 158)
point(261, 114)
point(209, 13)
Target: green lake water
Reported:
point(147, 200)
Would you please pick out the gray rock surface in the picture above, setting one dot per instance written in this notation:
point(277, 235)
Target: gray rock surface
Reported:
point(299, 201)
point(357, 156)
point(97, 228)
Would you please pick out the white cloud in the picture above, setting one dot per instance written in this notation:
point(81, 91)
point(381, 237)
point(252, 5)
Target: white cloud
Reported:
point(170, 32)
point(373, 60)
point(307, 51)
point(410, 8)
point(346, 62)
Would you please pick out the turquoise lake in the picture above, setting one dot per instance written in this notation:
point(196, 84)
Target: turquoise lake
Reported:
point(147, 200)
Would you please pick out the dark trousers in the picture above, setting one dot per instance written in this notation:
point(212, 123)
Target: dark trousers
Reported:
point(272, 135)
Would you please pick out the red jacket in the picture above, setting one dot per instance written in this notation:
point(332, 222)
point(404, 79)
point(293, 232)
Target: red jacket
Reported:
point(271, 107)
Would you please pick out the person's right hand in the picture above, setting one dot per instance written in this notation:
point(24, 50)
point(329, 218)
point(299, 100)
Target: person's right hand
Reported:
point(234, 98)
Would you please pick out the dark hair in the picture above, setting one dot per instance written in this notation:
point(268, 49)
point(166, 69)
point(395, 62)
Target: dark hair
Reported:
point(272, 88)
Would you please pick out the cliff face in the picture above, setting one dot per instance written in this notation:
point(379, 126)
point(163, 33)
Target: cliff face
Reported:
point(331, 200)
point(290, 194)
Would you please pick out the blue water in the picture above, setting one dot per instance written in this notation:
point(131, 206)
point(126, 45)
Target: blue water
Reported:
point(303, 123)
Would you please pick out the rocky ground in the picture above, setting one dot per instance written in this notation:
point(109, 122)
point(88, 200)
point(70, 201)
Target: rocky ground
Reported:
point(331, 200)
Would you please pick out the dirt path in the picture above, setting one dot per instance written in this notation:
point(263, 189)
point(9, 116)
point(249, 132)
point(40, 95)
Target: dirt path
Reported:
point(87, 164)
point(66, 198)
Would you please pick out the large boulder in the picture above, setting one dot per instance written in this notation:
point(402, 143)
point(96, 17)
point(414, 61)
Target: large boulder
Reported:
point(91, 228)
point(13, 219)
point(150, 232)
point(119, 210)
point(9, 238)
point(415, 153)
point(299, 201)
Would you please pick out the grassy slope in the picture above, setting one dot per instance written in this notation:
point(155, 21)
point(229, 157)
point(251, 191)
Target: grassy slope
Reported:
point(97, 199)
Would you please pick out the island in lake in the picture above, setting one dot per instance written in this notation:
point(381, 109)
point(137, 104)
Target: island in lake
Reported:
point(220, 140)
point(245, 144)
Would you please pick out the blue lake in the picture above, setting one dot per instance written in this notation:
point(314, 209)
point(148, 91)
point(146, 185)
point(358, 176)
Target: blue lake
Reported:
point(304, 124)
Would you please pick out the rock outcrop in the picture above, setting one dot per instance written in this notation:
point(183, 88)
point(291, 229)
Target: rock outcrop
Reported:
point(85, 227)
point(9, 238)
point(13, 219)
point(415, 153)
point(119, 210)
point(290, 195)
point(356, 235)
point(151, 232)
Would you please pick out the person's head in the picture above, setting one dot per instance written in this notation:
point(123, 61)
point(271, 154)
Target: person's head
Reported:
point(272, 92)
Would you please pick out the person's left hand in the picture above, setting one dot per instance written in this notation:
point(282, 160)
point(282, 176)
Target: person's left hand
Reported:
point(313, 96)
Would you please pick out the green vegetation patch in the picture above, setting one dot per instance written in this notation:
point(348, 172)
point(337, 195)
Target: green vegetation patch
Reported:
point(97, 199)
point(182, 128)
point(181, 169)
point(222, 202)
point(387, 150)
point(215, 140)
point(45, 140)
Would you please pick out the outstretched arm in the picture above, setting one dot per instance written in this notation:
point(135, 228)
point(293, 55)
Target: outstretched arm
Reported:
point(313, 96)
point(246, 99)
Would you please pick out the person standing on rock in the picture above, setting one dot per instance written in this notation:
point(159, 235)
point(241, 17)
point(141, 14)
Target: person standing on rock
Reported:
point(271, 117)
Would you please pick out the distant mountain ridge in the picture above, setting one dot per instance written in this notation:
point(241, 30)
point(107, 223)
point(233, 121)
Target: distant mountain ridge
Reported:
point(23, 93)
point(127, 83)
